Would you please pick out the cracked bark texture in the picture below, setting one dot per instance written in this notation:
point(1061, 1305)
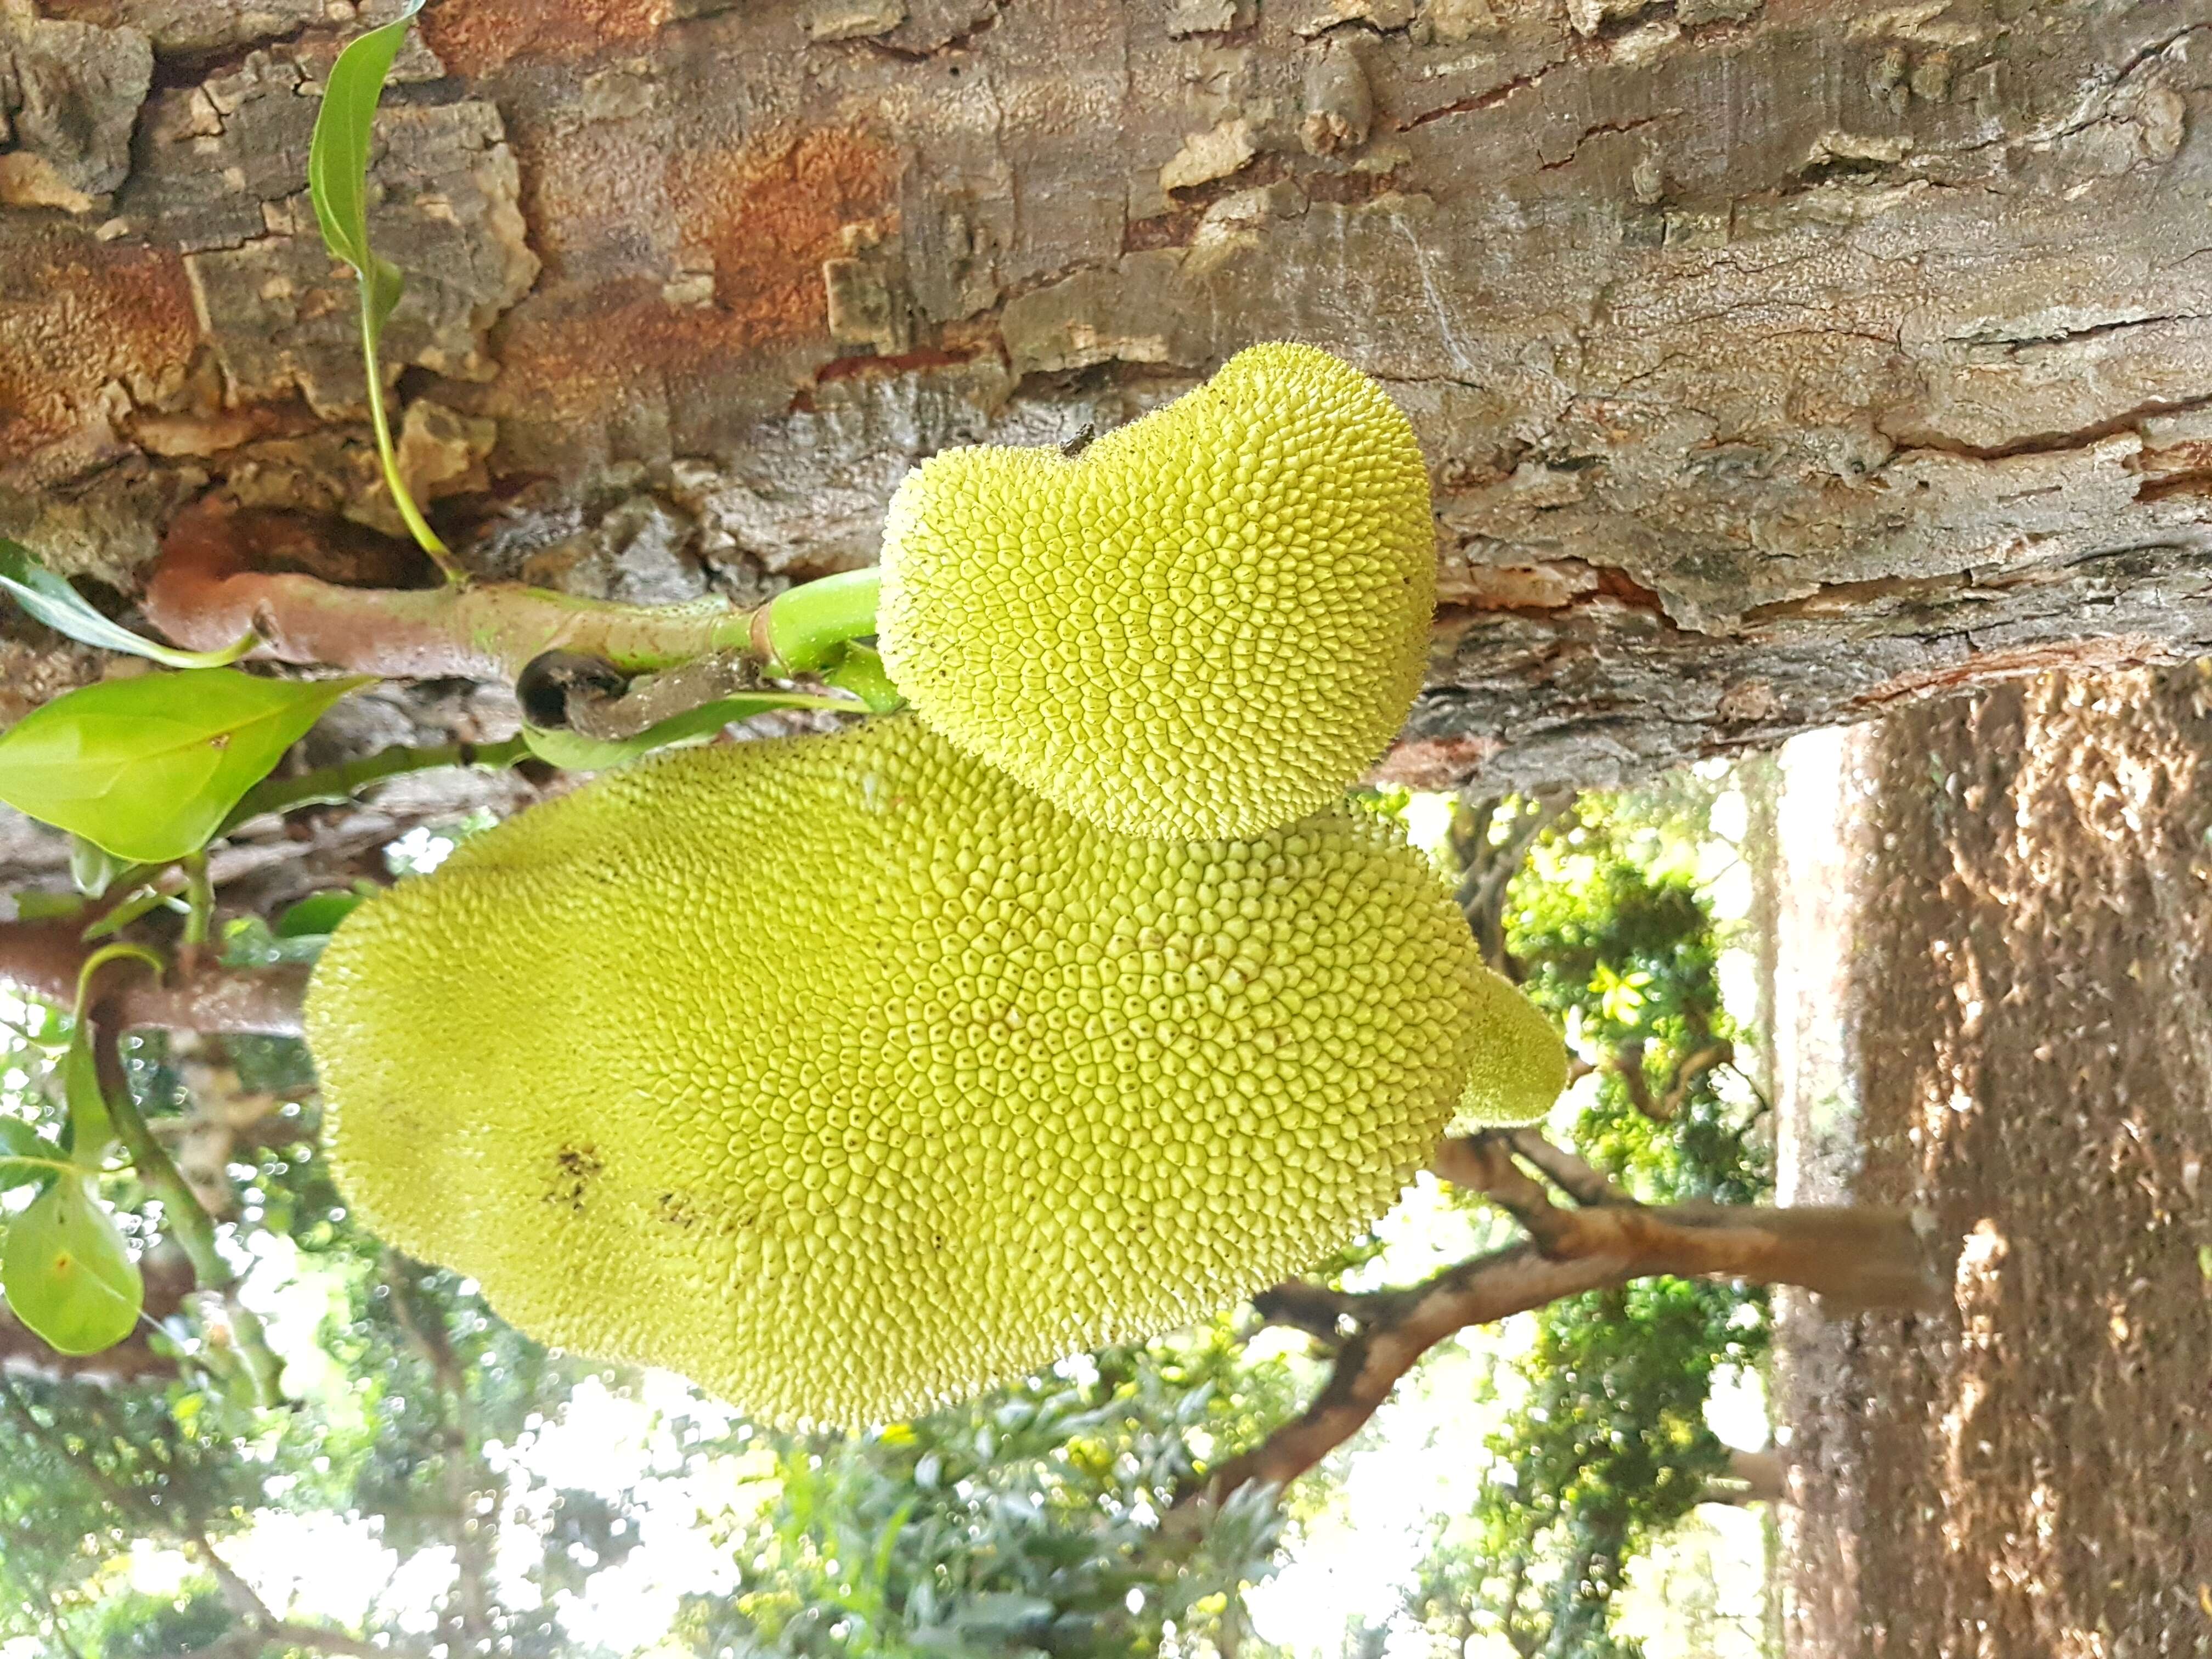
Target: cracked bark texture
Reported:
point(1776, 362)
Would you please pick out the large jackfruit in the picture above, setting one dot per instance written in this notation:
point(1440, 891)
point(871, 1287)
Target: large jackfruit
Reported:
point(847, 1076)
point(1207, 624)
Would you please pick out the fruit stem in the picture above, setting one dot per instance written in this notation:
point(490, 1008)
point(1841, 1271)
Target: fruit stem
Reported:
point(796, 631)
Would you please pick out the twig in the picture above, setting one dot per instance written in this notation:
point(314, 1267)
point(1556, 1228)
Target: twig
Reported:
point(1571, 1174)
point(199, 901)
point(1490, 866)
point(330, 786)
point(1713, 1055)
point(1856, 1258)
point(468, 1607)
point(205, 586)
point(1318, 1311)
point(1485, 1163)
point(182, 1215)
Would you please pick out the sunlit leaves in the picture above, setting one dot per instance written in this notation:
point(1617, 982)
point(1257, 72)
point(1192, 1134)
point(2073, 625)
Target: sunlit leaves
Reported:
point(62, 609)
point(148, 768)
point(66, 1272)
point(1026, 1520)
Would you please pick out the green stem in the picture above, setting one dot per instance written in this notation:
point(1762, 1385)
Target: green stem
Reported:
point(185, 1220)
point(330, 785)
point(860, 669)
point(199, 899)
point(806, 623)
point(417, 527)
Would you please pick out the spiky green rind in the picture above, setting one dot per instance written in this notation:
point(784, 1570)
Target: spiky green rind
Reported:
point(1207, 624)
point(848, 1076)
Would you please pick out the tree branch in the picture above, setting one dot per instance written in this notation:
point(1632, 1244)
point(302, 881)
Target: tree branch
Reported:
point(1317, 1310)
point(1564, 1169)
point(1484, 1162)
point(41, 959)
point(1488, 866)
point(1856, 1258)
point(204, 587)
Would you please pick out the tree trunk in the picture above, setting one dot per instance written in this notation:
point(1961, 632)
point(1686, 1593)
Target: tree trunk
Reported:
point(1776, 362)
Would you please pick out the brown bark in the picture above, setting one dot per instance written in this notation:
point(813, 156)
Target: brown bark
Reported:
point(1777, 362)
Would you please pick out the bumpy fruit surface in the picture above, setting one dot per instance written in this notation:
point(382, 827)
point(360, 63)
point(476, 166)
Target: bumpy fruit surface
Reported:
point(847, 1076)
point(1207, 624)
point(1520, 1065)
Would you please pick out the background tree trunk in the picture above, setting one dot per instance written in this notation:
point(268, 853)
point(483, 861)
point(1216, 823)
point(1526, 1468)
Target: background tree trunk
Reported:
point(1777, 362)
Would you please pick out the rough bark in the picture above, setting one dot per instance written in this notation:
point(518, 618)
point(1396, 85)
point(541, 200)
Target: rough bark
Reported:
point(1776, 362)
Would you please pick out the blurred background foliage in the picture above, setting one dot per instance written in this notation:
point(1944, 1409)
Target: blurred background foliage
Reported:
point(444, 1468)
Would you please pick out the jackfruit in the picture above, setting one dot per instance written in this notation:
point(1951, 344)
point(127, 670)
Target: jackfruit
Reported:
point(1519, 1068)
point(848, 1076)
point(1206, 624)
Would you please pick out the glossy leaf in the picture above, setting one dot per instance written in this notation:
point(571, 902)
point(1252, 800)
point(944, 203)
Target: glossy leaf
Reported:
point(149, 768)
point(67, 1272)
point(337, 164)
point(62, 609)
point(571, 751)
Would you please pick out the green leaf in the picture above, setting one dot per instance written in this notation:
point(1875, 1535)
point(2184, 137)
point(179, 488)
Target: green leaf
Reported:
point(317, 915)
point(338, 182)
point(337, 164)
point(24, 1155)
point(65, 610)
point(67, 1272)
point(571, 751)
point(149, 768)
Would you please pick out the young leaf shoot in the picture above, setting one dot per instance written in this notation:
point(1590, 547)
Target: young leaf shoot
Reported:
point(338, 182)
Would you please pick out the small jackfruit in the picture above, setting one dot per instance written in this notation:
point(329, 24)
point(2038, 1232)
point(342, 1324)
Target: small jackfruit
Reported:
point(847, 1076)
point(1520, 1066)
point(1206, 624)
